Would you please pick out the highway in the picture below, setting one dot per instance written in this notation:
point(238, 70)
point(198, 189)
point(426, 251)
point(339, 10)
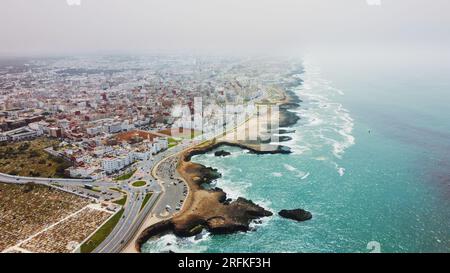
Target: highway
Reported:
point(42, 180)
point(119, 233)
point(169, 191)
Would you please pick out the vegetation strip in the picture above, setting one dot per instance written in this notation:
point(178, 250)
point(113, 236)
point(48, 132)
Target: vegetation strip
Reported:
point(121, 201)
point(101, 234)
point(125, 176)
point(146, 198)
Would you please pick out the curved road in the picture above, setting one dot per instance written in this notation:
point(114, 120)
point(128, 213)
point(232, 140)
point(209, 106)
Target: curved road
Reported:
point(168, 194)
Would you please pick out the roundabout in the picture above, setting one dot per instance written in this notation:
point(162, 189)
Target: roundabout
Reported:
point(139, 183)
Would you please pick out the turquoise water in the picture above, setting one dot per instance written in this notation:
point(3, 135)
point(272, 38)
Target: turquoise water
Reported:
point(370, 161)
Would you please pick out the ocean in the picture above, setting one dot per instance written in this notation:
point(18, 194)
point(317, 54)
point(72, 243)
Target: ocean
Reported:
point(370, 161)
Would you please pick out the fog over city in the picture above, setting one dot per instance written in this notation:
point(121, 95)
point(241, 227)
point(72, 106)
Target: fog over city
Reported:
point(234, 26)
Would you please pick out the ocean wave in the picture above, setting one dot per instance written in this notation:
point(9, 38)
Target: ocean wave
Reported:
point(289, 167)
point(233, 189)
point(298, 173)
point(261, 222)
point(326, 125)
point(305, 176)
point(170, 242)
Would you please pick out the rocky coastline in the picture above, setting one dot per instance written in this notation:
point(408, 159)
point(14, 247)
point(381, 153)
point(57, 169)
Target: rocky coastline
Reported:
point(210, 209)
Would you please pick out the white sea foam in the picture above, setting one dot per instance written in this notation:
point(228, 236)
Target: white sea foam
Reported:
point(325, 124)
point(233, 189)
point(289, 167)
point(298, 173)
point(170, 242)
point(277, 174)
point(261, 222)
point(305, 176)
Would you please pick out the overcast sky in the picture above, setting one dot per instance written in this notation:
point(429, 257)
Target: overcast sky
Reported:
point(135, 26)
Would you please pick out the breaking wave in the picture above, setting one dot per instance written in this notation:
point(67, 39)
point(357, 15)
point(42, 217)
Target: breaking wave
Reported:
point(325, 129)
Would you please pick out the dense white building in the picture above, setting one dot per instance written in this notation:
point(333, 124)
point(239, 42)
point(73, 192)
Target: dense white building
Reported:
point(85, 172)
point(20, 134)
point(115, 163)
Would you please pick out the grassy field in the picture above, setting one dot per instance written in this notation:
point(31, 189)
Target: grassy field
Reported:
point(139, 183)
point(172, 142)
point(146, 198)
point(118, 190)
point(121, 201)
point(101, 234)
point(28, 158)
point(125, 176)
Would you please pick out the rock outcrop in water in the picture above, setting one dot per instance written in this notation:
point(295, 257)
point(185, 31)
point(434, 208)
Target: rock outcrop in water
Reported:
point(284, 138)
point(212, 214)
point(250, 146)
point(296, 214)
point(284, 131)
point(222, 153)
point(236, 216)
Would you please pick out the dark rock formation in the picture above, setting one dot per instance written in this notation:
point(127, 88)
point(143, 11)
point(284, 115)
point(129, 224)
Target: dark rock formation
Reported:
point(284, 138)
point(284, 131)
point(224, 219)
point(296, 214)
point(222, 153)
point(198, 237)
point(292, 97)
point(270, 149)
point(208, 174)
point(287, 118)
point(235, 216)
point(160, 228)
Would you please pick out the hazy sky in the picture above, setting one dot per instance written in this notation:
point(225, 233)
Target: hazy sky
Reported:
point(54, 27)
